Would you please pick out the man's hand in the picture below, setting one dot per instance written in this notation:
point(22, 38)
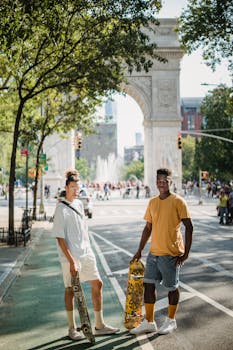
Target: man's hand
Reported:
point(73, 269)
point(181, 259)
point(137, 256)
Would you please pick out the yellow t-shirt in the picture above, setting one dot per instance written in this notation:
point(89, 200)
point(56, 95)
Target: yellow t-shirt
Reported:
point(165, 215)
point(223, 201)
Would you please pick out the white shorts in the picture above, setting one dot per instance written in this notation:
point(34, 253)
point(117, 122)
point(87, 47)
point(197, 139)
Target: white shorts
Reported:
point(87, 270)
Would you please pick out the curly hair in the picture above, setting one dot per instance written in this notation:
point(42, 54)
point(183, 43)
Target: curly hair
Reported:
point(72, 175)
point(164, 171)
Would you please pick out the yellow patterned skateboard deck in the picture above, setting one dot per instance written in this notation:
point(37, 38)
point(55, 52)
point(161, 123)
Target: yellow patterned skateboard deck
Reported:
point(134, 294)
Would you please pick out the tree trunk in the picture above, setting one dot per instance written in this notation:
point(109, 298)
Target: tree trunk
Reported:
point(36, 180)
point(11, 236)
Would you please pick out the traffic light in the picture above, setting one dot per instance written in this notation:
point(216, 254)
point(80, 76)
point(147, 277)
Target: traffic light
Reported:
point(78, 141)
point(179, 142)
point(79, 145)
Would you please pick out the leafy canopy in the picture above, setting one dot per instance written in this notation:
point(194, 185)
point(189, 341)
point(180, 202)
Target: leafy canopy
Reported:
point(212, 154)
point(208, 24)
point(86, 44)
point(63, 45)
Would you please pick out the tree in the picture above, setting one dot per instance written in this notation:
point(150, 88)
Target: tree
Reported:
point(57, 45)
point(83, 169)
point(135, 168)
point(208, 24)
point(58, 113)
point(215, 155)
point(188, 152)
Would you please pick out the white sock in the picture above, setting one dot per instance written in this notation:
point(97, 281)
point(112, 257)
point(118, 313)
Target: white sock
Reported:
point(99, 320)
point(71, 319)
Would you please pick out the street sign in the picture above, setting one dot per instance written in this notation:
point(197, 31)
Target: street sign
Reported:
point(24, 152)
point(42, 159)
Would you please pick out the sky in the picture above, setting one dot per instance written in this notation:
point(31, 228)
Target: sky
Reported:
point(193, 73)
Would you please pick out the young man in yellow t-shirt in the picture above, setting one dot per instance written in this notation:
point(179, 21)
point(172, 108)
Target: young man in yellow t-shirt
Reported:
point(167, 254)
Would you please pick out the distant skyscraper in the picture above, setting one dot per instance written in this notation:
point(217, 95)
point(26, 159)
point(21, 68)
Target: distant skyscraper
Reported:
point(110, 112)
point(139, 140)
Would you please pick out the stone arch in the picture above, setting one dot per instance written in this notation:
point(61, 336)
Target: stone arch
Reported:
point(157, 93)
point(139, 88)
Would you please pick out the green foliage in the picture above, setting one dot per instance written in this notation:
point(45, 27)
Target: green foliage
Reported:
point(83, 168)
point(212, 154)
point(188, 153)
point(208, 24)
point(66, 47)
point(135, 168)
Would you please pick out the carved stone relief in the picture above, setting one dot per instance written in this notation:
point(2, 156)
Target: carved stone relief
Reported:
point(167, 95)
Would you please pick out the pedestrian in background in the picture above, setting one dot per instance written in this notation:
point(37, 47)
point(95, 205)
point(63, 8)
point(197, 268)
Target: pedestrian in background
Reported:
point(75, 252)
point(231, 206)
point(223, 207)
point(167, 253)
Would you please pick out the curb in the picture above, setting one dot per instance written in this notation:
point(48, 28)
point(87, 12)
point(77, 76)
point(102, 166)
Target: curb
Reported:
point(12, 269)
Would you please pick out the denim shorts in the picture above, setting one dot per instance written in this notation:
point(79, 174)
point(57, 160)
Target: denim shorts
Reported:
point(162, 269)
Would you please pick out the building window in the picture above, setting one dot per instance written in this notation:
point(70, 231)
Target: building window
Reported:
point(191, 122)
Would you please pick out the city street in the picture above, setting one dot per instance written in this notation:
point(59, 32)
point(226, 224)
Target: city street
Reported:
point(32, 314)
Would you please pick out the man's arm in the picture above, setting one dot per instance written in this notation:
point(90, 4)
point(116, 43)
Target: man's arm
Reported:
point(66, 251)
point(145, 236)
point(188, 241)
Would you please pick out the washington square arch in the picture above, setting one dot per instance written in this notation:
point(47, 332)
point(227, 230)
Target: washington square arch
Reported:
point(158, 95)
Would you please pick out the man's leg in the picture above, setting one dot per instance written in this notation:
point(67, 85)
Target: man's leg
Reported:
point(97, 299)
point(69, 304)
point(150, 296)
point(173, 299)
point(148, 325)
point(170, 322)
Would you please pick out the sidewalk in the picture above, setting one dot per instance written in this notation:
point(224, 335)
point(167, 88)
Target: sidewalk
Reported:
point(12, 258)
point(32, 315)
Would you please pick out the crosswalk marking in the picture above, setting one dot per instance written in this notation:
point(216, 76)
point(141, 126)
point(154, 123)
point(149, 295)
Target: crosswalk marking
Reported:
point(120, 293)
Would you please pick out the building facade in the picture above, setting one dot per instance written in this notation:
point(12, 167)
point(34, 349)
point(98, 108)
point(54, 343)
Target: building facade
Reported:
point(191, 115)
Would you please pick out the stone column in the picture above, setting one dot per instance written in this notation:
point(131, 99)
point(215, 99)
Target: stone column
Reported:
point(158, 94)
point(60, 156)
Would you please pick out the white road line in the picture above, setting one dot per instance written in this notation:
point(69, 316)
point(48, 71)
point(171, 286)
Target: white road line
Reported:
point(121, 272)
point(207, 299)
point(101, 256)
point(113, 251)
point(212, 265)
point(111, 244)
point(121, 295)
point(163, 303)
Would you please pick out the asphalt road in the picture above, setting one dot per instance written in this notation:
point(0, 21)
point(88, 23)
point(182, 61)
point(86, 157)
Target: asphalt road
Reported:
point(32, 316)
point(205, 315)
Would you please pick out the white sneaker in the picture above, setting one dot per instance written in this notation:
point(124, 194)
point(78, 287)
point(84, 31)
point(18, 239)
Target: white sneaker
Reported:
point(144, 327)
point(168, 327)
point(106, 330)
point(74, 334)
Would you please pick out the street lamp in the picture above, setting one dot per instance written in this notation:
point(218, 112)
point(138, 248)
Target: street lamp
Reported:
point(207, 84)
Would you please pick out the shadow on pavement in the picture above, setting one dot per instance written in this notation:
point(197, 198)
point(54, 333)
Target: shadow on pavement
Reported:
point(122, 340)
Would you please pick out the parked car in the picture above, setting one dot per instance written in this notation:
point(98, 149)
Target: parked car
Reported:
point(87, 201)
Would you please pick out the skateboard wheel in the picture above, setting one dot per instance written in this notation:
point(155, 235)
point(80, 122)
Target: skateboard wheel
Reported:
point(85, 328)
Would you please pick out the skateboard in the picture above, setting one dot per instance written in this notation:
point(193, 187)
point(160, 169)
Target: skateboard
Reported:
point(82, 309)
point(134, 294)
